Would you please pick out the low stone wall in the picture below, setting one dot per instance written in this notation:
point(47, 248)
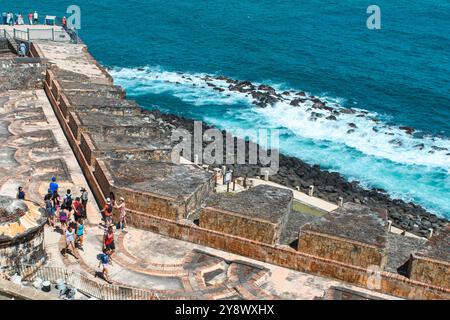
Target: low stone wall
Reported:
point(26, 248)
point(343, 250)
point(429, 271)
point(166, 207)
point(235, 224)
point(384, 282)
point(21, 74)
point(91, 153)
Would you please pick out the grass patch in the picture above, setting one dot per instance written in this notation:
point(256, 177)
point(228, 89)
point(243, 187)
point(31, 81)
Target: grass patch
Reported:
point(305, 209)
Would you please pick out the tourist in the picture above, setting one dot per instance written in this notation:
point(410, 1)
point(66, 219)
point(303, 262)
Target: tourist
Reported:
point(11, 19)
point(107, 212)
point(50, 208)
point(122, 213)
point(84, 200)
point(70, 241)
point(20, 20)
point(78, 210)
point(112, 196)
point(35, 18)
point(67, 200)
point(108, 241)
point(105, 261)
point(56, 199)
point(53, 185)
point(64, 216)
point(64, 23)
point(80, 233)
point(20, 194)
point(22, 49)
point(30, 18)
point(5, 17)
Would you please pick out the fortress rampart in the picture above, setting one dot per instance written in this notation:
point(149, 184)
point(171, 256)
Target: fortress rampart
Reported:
point(178, 200)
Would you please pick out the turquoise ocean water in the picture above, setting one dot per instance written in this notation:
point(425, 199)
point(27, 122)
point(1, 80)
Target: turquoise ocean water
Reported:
point(399, 74)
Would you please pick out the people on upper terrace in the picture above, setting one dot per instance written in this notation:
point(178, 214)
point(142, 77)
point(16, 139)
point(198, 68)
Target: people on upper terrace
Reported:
point(30, 18)
point(35, 17)
point(20, 20)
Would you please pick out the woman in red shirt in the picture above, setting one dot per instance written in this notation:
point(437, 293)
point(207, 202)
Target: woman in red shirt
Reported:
point(108, 241)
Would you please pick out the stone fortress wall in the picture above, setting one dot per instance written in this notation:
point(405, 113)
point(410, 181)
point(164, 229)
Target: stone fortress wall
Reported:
point(161, 197)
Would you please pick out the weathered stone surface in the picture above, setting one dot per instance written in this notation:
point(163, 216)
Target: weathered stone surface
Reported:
point(258, 214)
point(352, 234)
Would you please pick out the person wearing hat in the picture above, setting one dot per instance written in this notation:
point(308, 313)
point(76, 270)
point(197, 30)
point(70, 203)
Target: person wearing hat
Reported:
point(84, 199)
point(122, 213)
point(107, 212)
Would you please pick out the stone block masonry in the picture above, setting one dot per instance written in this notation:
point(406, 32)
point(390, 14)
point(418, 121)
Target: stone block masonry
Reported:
point(353, 234)
point(258, 214)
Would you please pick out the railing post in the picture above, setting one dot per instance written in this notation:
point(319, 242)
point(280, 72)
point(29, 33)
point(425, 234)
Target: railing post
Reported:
point(28, 34)
point(14, 33)
point(53, 34)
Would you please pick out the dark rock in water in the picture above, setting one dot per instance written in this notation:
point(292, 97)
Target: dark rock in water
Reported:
point(266, 88)
point(374, 119)
point(219, 89)
point(408, 130)
point(360, 115)
point(438, 148)
point(318, 105)
point(352, 125)
point(375, 129)
point(210, 84)
point(350, 131)
point(141, 69)
point(301, 94)
point(286, 93)
point(296, 102)
point(419, 146)
point(315, 115)
point(397, 142)
point(331, 118)
point(222, 78)
point(347, 111)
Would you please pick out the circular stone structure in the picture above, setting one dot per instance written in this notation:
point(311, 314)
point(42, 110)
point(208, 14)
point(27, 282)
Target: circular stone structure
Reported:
point(21, 233)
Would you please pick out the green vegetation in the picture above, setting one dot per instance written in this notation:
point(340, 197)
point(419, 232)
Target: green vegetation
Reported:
point(305, 209)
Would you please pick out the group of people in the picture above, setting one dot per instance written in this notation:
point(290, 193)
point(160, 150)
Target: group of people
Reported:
point(12, 19)
point(71, 212)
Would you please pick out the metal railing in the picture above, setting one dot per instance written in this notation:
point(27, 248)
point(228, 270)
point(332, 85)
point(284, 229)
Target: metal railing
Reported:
point(81, 282)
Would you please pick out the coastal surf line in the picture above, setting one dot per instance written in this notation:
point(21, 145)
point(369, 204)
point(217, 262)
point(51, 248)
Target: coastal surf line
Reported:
point(263, 146)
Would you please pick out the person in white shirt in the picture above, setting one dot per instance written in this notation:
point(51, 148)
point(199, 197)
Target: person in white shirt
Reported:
point(36, 17)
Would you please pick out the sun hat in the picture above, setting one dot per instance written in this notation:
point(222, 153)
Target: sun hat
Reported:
point(108, 200)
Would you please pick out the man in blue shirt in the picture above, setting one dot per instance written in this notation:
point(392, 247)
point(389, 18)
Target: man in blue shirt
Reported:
point(53, 185)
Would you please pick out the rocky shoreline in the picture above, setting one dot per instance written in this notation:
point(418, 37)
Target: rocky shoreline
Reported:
point(329, 186)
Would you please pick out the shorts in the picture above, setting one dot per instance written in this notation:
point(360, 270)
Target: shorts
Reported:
point(110, 246)
point(108, 219)
point(77, 218)
point(63, 220)
point(51, 212)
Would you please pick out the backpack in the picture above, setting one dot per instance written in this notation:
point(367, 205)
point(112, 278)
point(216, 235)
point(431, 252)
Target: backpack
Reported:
point(110, 208)
point(68, 200)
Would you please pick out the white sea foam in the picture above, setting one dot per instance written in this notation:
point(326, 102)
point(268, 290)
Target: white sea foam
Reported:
point(387, 142)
